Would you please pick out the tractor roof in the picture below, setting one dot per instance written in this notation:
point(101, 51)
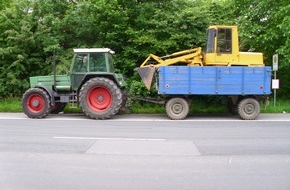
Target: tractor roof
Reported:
point(93, 50)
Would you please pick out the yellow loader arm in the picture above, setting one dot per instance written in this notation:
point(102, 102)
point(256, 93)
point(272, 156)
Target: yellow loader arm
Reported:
point(190, 57)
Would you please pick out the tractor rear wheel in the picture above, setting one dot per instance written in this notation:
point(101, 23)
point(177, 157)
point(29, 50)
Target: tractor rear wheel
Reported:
point(177, 108)
point(100, 98)
point(249, 109)
point(36, 103)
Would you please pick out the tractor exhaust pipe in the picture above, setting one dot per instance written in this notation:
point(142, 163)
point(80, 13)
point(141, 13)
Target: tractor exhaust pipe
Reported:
point(54, 70)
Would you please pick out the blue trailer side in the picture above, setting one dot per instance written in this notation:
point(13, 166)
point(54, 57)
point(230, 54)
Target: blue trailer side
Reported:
point(215, 80)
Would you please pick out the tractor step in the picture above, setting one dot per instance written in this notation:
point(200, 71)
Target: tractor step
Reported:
point(74, 101)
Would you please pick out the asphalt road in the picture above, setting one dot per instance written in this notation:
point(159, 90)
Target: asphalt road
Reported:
point(144, 152)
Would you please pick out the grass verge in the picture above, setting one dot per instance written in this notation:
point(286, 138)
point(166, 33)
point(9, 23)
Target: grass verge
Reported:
point(10, 105)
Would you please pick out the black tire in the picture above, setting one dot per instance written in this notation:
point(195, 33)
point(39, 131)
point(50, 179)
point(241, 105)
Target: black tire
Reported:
point(36, 103)
point(100, 98)
point(58, 107)
point(249, 109)
point(125, 107)
point(233, 108)
point(177, 108)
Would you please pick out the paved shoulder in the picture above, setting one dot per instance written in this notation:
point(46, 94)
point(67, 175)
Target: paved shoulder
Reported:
point(155, 117)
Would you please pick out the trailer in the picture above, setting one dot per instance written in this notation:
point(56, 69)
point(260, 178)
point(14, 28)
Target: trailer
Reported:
point(220, 70)
point(244, 87)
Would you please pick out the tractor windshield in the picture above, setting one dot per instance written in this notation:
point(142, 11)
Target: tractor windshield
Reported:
point(210, 40)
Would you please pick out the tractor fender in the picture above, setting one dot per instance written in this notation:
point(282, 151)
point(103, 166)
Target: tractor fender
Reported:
point(49, 91)
point(104, 75)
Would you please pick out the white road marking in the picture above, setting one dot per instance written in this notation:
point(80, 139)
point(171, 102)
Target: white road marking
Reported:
point(109, 139)
point(230, 160)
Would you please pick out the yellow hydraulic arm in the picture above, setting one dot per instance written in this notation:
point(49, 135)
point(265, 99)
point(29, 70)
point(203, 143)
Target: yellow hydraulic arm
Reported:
point(190, 57)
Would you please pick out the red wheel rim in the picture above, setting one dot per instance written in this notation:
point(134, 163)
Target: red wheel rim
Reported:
point(99, 99)
point(35, 103)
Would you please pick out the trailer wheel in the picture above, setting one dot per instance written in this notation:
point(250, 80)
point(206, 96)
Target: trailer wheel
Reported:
point(100, 98)
point(36, 103)
point(249, 109)
point(233, 108)
point(177, 108)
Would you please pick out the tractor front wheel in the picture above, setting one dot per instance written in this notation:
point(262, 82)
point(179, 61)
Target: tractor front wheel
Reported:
point(100, 98)
point(36, 103)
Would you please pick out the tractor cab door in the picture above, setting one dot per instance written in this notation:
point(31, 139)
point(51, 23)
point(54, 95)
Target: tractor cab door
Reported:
point(79, 69)
point(98, 62)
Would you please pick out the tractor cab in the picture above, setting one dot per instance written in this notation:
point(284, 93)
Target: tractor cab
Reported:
point(88, 62)
point(92, 60)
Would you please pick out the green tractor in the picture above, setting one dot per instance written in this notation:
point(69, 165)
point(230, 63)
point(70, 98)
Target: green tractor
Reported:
point(91, 84)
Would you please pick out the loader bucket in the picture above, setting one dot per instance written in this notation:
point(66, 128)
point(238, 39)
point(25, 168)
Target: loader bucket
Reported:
point(146, 74)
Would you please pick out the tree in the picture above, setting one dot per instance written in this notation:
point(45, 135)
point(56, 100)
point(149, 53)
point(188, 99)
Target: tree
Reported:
point(27, 40)
point(264, 27)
